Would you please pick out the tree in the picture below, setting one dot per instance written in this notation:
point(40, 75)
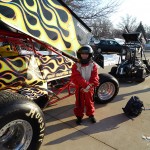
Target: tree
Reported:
point(128, 22)
point(117, 33)
point(95, 14)
point(102, 28)
point(93, 9)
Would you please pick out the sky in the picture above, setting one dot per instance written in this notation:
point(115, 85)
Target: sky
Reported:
point(140, 9)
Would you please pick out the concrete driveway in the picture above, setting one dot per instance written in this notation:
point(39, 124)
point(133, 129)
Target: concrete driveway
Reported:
point(113, 130)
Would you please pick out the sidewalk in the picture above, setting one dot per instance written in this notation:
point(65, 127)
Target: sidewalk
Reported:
point(113, 130)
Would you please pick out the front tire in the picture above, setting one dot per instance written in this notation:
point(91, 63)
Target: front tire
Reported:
point(22, 122)
point(107, 90)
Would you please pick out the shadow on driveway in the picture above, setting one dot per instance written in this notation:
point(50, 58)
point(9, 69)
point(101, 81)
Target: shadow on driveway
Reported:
point(109, 123)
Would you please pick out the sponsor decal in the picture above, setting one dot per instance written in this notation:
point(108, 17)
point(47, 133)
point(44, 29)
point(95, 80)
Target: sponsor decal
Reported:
point(35, 114)
point(82, 28)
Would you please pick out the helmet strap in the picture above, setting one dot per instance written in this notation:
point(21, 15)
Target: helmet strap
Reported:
point(85, 61)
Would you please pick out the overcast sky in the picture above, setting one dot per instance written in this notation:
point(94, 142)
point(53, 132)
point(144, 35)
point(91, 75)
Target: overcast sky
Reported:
point(136, 8)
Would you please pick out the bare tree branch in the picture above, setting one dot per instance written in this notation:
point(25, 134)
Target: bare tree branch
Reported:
point(129, 22)
point(102, 28)
point(93, 9)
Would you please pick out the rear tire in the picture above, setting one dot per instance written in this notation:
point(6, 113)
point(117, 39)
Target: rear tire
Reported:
point(147, 63)
point(22, 122)
point(140, 75)
point(107, 90)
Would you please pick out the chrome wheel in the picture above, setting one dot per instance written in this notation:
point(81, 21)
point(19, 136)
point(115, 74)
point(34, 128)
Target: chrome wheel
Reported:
point(16, 135)
point(106, 91)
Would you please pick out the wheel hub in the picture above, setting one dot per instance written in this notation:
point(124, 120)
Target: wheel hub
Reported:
point(106, 91)
point(16, 135)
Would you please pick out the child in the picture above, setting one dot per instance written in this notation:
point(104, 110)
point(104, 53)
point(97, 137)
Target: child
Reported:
point(85, 77)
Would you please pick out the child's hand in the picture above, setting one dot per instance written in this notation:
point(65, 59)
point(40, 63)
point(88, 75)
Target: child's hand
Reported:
point(85, 90)
point(91, 84)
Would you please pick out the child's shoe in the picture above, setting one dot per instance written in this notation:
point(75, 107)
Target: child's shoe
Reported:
point(92, 119)
point(79, 121)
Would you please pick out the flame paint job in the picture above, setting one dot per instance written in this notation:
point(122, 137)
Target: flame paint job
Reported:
point(48, 21)
point(30, 74)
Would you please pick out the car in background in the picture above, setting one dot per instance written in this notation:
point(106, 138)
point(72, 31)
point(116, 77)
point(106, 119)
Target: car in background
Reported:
point(120, 41)
point(107, 46)
point(147, 45)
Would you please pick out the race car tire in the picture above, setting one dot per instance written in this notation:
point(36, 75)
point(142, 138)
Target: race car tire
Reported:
point(22, 122)
point(107, 90)
point(140, 75)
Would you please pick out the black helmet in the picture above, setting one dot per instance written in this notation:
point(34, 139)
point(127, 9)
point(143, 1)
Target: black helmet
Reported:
point(86, 49)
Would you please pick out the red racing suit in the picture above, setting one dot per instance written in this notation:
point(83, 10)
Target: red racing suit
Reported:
point(82, 76)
